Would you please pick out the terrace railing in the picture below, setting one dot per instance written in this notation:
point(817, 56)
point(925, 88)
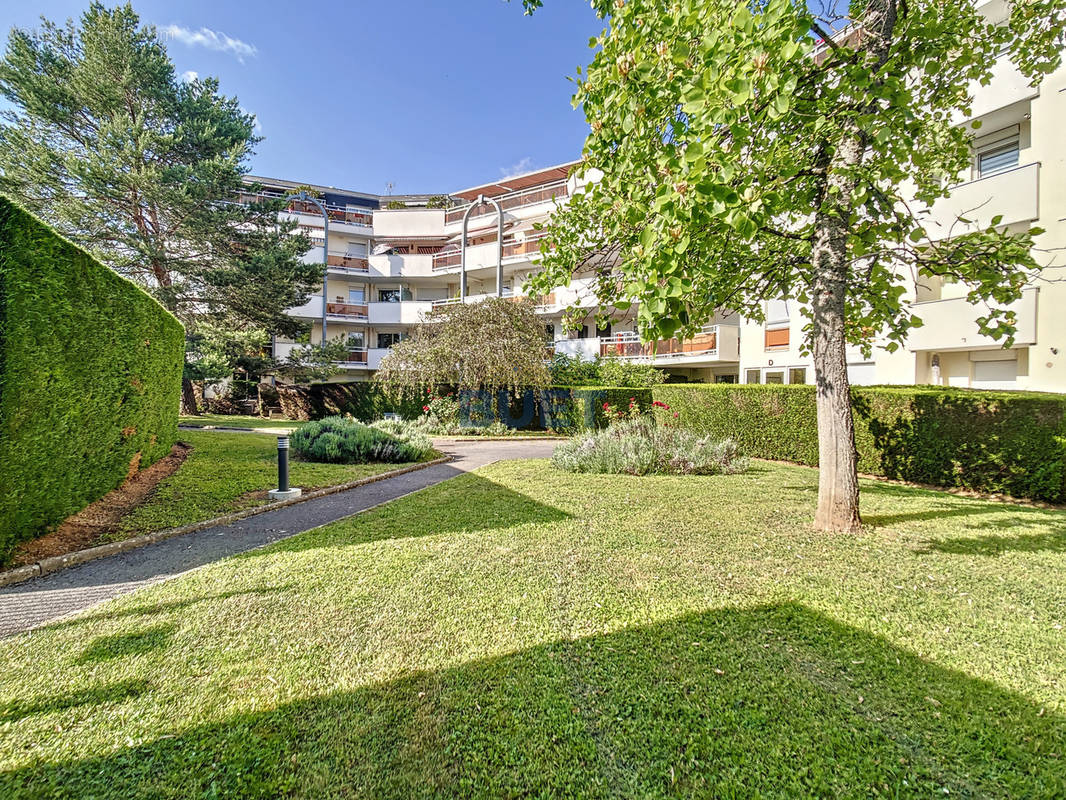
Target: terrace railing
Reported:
point(354, 310)
point(524, 197)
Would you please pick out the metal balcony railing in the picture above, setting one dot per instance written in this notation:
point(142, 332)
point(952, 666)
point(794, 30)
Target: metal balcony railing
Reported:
point(348, 263)
point(628, 345)
point(524, 197)
point(353, 310)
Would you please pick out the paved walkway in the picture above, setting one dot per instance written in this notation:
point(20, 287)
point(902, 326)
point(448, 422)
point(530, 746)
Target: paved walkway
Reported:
point(42, 600)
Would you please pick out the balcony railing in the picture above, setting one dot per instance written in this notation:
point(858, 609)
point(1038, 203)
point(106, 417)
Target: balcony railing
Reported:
point(628, 345)
point(348, 263)
point(525, 197)
point(352, 310)
point(335, 213)
point(356, 357)
point(512, 248)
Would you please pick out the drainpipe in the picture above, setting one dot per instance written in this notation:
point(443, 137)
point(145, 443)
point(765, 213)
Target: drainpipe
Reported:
point(482, 200)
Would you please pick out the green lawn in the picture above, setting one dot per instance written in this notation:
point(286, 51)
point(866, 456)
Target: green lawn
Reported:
point(238, 421)
point(520, 632)
point(219, 474)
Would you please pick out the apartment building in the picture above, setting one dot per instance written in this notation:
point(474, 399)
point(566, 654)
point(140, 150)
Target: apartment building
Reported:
point(392, 259)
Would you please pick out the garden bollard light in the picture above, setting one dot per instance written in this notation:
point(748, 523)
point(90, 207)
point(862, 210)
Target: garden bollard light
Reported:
point(283, 492)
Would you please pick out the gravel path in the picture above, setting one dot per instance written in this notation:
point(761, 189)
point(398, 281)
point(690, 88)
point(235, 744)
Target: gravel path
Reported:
point(28, 605)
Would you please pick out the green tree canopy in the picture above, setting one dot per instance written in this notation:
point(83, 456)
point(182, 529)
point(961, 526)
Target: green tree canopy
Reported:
point(758, 149)
point(104, 142)
point(497, 343)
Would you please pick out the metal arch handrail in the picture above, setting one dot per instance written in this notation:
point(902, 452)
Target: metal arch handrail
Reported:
point(481, 199)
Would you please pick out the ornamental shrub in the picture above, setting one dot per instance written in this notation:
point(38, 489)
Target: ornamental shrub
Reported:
point(1005, 442)
point(90, 375)
point(639, 446)
point(344, 440)
point(575, 371)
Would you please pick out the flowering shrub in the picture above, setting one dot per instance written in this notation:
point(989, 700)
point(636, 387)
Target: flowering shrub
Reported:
point(638, 446)
point(344, 440)
point(440, 414)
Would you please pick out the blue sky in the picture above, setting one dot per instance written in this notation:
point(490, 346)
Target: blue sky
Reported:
point(430, 95)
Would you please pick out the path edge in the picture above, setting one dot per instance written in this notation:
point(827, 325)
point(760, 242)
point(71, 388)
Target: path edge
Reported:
point(46, 566)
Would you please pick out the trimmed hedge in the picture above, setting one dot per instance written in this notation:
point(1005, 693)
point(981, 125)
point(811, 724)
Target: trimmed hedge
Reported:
point(363, 400)
point(1009, 442)
point(90, 375)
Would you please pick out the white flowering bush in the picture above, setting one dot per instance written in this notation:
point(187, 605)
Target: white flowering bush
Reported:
point(640, 447)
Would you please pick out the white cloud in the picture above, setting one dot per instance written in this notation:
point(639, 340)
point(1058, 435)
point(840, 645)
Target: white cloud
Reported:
point(256, 125)
point(189, 76)
point(521, 166)
point(212, 40)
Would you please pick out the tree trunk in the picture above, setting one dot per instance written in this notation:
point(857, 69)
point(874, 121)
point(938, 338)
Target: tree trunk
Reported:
point(838, 480)
point(188, 398)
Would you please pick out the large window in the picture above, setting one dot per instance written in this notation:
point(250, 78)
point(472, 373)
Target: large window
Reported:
point(356, 340)
point(388, 339)
point(388, 295)
point(752, 376)
point(357, 296)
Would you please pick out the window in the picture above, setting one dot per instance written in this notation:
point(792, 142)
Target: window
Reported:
point(752, 376)
point(388, 295)
point(356, 340)
point(388, 339)
point(998, 157)
point(605, 331)
point(356, 296)
point(583, 332)
point(356, 250)
point(726, 378)
point(775, 376)
point(797, 375)
point(549, 332)
point(777, 323)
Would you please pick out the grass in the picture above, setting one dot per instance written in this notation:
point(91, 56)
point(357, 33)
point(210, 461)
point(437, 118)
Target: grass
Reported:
point(238, 421)
point(521, 632)
point(227, 472)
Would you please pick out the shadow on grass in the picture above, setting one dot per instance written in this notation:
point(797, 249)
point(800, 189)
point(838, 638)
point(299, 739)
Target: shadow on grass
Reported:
point(464, 504)
point(97, 695)
point(776, 700)
point(120, 645)
point(1051, 542)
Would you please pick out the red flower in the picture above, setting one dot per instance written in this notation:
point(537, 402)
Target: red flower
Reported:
point(425, 408)
point(606, 406)
point(632, 399)
point(676, 415)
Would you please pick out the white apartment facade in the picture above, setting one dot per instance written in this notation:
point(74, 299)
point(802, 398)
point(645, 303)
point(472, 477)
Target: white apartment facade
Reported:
point(392, 259)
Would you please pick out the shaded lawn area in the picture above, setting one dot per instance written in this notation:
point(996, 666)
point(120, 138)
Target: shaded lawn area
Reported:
point(219, 476)
point(238, 421)
point(525, 632)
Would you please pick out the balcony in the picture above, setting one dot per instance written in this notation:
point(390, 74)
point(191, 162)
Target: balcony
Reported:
point(1007, 86)
point(1012, 194)
point(713, 343)
point(364, 358)
point(952, 324)
point(335, 213)
point(312, 309)
point(484, 255)
point(354, 312)
point(526, 197)
point(406, 312)
point(348, 265)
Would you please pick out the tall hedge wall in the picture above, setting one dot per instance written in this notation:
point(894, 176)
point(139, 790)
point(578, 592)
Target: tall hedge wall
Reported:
point(90, 376)
point(1010, 442)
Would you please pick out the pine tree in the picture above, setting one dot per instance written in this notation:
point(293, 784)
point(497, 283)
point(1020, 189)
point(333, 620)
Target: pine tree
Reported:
point(108, 145)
